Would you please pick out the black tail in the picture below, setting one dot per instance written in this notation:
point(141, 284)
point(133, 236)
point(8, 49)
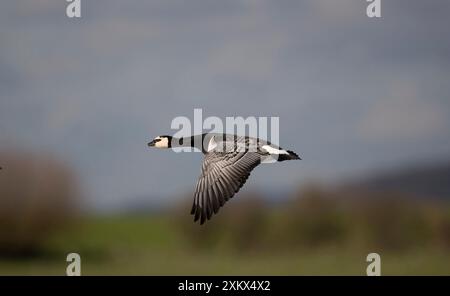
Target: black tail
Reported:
point(292, 155)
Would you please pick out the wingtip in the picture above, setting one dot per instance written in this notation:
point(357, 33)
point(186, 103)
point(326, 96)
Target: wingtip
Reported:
point(196, 214)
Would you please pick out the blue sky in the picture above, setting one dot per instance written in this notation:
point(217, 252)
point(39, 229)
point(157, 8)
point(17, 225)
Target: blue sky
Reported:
point(353, 94)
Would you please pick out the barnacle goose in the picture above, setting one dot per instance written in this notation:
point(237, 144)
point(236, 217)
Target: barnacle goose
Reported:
point(228, 161)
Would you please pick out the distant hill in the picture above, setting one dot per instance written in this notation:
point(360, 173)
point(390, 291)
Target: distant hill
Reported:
point(431, 181)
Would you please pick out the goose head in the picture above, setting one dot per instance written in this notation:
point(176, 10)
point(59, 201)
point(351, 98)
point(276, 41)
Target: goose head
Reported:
point(161, 142)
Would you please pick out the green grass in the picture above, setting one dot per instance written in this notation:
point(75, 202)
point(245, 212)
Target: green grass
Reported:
point(138, 245)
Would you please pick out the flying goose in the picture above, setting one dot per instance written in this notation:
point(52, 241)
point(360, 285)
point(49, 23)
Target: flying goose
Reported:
point(228, 161)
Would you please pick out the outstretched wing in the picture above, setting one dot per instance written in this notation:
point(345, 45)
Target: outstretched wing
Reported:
point(223, 174)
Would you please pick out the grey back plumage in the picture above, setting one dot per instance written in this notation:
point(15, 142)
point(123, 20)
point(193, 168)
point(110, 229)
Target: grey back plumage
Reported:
point(224, 171)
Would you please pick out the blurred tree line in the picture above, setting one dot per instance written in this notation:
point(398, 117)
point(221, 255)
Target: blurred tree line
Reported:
point(38, 196)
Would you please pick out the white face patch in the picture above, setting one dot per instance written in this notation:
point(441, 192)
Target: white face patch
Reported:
point(162, 143)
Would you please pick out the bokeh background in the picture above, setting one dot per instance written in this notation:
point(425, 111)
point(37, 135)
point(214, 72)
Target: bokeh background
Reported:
point(365, 102)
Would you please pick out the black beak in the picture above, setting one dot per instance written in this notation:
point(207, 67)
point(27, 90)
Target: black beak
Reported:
point(152, 143)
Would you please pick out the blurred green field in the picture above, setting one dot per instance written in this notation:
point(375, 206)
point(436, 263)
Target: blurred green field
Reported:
point(314, 231)
point(142, 245)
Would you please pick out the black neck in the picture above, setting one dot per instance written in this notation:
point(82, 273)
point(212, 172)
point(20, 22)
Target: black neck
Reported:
point(192, 141)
